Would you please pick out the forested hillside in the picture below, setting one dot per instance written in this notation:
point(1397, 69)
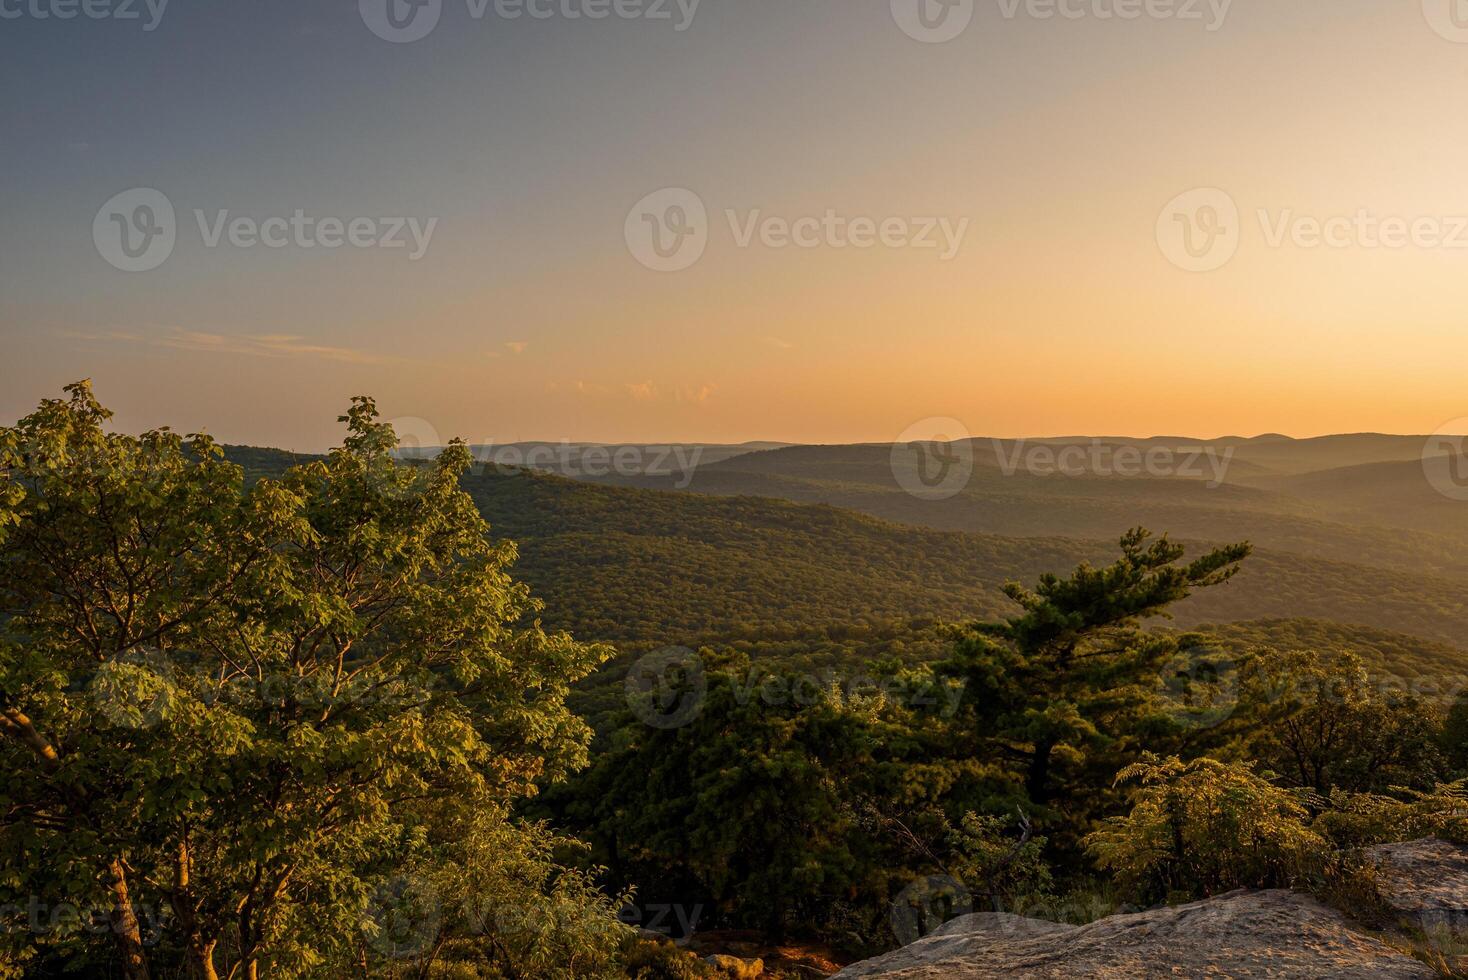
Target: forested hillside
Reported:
point(1406, 658)
point(1384, 514)
point(655, 567)
point(643, 567)
point(340, 688)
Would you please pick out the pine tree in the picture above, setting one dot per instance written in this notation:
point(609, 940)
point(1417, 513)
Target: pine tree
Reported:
point(1064, 684)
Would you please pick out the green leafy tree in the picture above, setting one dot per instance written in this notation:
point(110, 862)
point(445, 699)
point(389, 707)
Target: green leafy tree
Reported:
point(1060, 691)
point(493, 895)
point(1322, 721)
point(1453, 739)
point(785, 803)
point(737, 802)
point(1356, 820)
point(231, 707)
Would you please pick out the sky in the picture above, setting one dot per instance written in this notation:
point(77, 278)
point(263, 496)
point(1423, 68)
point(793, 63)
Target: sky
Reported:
point(796, 220)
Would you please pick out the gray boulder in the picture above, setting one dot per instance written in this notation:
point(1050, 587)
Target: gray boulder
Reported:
point(1277, 934)
point(1425, 884)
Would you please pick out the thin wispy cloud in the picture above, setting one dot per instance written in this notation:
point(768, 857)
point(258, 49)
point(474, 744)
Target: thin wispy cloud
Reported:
point(695, 394)
point(643, 391)
point(518, 346)
point(640, 392)
point(271, 345)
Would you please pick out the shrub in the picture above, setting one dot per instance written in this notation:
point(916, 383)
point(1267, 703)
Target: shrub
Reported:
point(1204, 827)
point(1361, 820)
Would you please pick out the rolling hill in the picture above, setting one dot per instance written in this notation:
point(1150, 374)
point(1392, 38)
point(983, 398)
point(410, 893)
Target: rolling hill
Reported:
point(816, 584)
point(1397, 522)
point(652, 566)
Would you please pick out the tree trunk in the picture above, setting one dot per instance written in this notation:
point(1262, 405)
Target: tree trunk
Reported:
point(775, 922)
point(201, 955)
point(125, 931)
point(249, 941)
point(200, 947)
point(426, 967)
point(122, 918)
point(1037, 781)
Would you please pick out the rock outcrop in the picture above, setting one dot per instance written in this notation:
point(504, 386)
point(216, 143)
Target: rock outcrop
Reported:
point(1242, 934)
point(1424, 883)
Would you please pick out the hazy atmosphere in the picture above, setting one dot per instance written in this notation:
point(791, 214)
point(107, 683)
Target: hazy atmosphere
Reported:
point(733, 490)
point(1049, 136)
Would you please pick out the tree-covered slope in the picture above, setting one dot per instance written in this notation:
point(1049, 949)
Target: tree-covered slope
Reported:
point(655, 567)
point(1400, 525)
point(650, 568)
point(1408, 659)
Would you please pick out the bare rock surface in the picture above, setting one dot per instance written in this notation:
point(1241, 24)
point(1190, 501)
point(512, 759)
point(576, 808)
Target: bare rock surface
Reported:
point(1277, 934)
point(1425, 881)
point(999, 923)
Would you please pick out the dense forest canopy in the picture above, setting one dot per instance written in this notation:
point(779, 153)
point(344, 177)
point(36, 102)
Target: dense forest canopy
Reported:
point(360, 714)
